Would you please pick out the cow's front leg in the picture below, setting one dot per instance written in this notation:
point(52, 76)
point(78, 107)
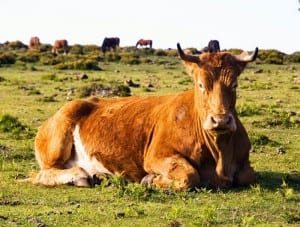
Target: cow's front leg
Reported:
point(245, 176)
point(172, 172)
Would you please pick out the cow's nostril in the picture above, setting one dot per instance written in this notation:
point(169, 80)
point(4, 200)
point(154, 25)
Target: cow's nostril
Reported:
point(213, 120)
point(221, 121)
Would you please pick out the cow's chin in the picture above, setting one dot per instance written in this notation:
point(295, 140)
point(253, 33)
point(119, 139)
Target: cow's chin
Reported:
point(220, 131)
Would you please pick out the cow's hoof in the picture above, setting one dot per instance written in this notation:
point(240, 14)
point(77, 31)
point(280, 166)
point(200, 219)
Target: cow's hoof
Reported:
point(99, 177)
point(148, 179)
point(84, 182)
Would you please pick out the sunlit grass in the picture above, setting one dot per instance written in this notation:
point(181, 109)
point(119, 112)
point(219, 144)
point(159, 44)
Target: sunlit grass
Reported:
point(268, 105)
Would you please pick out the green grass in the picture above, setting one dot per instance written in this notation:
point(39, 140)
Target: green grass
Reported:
point(265, 103)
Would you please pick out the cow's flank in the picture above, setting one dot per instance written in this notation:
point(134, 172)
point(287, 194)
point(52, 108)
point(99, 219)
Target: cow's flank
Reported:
point(179, 141)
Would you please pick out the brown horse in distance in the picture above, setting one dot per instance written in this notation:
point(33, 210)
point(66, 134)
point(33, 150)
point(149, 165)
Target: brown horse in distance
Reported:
point(144, 42)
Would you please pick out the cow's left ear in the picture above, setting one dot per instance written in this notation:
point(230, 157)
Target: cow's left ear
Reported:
point(191, 68)
point(190, 61)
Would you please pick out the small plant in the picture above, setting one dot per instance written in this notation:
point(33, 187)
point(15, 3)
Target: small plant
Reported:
point(248, 221)
point(209, 214)
point(247, 110)
point(122, 91)
point(259, 140)
point(10, 124)
point(49, 77)
point(285, 191)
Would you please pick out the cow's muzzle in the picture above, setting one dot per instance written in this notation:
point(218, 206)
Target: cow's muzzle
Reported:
point(220, 123)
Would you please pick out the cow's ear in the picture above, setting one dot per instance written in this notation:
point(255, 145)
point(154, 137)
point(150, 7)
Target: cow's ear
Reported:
point(191, 68)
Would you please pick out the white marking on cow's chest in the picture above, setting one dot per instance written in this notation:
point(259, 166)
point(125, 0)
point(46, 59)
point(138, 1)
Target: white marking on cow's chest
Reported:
point(81, 158)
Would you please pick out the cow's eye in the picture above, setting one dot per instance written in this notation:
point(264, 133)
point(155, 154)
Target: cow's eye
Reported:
point(201, 86)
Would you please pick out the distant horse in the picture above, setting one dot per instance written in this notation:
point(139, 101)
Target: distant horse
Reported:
point(34, 43)
point(110, 43)
point(144, 42)
point(213, 47)
point(60, 45)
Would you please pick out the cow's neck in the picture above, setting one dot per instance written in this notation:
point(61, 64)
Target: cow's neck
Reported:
point(221, 149)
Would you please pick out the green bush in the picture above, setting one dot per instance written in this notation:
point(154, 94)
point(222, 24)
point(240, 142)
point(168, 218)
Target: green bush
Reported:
point(7, 58)
point(130, 58)
point(172, 53)
point(81, 64)
point(30, 57)
point(114, 89)
point(17, 45)
point(271, 56)
point(294, 58)
point(90, 49)
point(45, 47)
point(76, 49)
point(49, 60)
point(160, 52)
point(122, 91)
point(112, 57)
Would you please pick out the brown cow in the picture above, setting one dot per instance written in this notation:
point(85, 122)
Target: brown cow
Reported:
point(144, 42)
point(179, 141)
point(60, 45)
point(34, 43)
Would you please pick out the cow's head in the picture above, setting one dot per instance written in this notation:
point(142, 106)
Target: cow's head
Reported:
point(215, 76)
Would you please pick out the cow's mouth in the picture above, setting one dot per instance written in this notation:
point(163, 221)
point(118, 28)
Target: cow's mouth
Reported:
point(220, 131)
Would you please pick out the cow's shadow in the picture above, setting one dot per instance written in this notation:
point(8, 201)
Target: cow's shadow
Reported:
point(273, 180)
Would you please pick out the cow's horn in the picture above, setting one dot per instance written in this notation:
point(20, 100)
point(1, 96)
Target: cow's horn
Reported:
point(187, 57)
point(249, 57)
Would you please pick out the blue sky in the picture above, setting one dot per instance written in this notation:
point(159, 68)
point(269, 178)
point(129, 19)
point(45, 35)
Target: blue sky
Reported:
point(244, 24)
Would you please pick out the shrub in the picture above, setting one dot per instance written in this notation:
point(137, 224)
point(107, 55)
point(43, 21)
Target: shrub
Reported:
point(81, 64)
point(271, 56)
point(76, 49)
point(122, 91)
point(49, 59)
point(29, 57)
point(172, 53)
point(295, 57)
point(160, 52)
point(104, 91)
point(7, 58)
point(112, 57)
point(130, 58)
point(90, 49)
point(17, 45)
point(45, 47)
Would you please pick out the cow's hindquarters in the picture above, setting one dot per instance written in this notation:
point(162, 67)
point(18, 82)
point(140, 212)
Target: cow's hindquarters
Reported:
point(60, 152)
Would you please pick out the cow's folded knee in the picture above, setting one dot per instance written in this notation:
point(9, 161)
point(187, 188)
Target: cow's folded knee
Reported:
point(245, 176)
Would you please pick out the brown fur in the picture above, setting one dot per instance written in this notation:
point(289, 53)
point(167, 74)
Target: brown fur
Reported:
point(189, 139)
point(144, 42)
point(34, 43)
point(60, 44)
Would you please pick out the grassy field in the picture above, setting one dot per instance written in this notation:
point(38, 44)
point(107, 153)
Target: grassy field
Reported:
point(268, 105)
